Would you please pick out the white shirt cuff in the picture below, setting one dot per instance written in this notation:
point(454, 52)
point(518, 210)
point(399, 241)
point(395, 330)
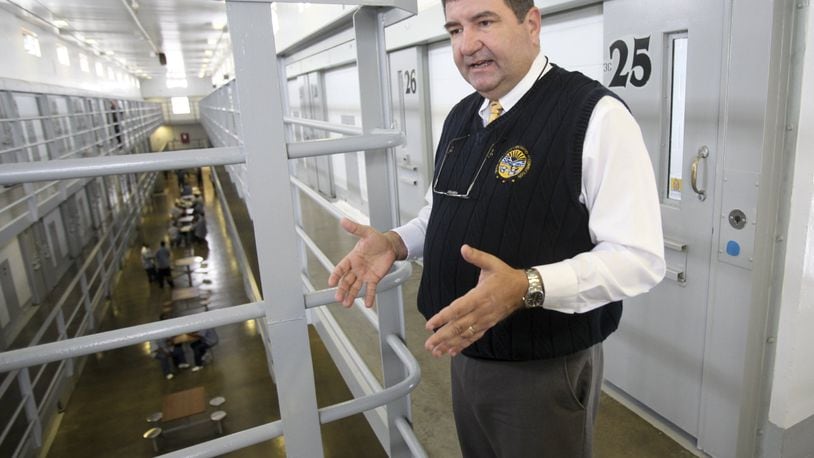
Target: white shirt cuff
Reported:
point(413, 237)
point(560, 282)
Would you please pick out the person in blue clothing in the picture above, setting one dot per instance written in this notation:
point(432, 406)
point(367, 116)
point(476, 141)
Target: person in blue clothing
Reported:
point(169, 356)
point(163, 264)
point(207, 338)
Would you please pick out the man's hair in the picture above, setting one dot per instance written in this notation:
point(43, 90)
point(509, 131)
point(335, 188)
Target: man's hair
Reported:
point(519, 7)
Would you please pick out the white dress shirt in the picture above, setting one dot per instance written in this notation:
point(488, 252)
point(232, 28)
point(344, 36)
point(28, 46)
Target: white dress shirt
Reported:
point(619, 191)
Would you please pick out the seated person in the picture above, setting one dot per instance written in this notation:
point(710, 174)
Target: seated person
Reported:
point(198, 206)
point(176, 212)
point(163, 350)
point(200, 230)
point(174, 235)
point(207, 338)
point(186, 190)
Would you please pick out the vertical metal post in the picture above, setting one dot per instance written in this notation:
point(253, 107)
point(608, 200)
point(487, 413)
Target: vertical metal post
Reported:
point(259, 91)
point(83, 284)
point(30, 405)
point(381, 183)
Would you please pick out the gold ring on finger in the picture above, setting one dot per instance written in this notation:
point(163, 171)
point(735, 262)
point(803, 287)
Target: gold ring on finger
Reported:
point(472, 331)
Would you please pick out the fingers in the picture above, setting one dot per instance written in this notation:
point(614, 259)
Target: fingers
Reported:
point(359, 230)
point(339, 271)
point(453, 338)
point(370, 294)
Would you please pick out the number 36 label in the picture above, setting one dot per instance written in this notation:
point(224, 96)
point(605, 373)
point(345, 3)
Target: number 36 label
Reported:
point(629, 67)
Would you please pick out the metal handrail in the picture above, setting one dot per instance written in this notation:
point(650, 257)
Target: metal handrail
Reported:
point(328, 414)
point(118, 338)
point(376, 139)
point(322, 125)
point(115, 165)
point(398, 275)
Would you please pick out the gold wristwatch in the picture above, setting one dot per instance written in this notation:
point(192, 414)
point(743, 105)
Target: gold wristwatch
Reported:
point(535, 296)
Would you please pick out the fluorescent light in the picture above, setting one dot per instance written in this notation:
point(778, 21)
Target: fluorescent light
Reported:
point(60, 23)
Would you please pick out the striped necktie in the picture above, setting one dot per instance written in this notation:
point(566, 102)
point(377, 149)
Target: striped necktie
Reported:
point(495, 110)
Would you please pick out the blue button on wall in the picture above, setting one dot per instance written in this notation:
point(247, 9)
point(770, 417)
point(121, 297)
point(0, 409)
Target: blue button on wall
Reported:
point(732, 248)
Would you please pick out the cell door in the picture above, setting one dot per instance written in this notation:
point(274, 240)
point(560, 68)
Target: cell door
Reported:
point(411, 108)
point(666, 64)
point(32, 258)
point(312, 101)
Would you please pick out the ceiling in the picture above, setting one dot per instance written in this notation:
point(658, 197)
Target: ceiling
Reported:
point(191, 33)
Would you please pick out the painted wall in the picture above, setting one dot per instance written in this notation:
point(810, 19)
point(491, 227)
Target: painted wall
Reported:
point(792, 399)
point(157, 87)
point(167, 133)
point(21, 66)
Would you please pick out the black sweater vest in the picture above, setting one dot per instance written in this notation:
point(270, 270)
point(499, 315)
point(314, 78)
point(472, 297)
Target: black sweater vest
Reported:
point(522, 176)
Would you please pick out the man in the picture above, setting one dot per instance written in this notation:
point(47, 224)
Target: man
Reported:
point(163, 262)
point(544, 215)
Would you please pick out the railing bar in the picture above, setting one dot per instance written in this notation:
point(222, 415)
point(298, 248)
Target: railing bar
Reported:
point(51, 386)
point(118, 164)
point(14, 416)
point(335, 412)
point(402, 388)
point(7, 381)
point(318, 199)
point(118, 338)
point(395, 278)
point(231, 442)
point(377, 139)
point(338, 128)
point(24, 438)
point(408, 435)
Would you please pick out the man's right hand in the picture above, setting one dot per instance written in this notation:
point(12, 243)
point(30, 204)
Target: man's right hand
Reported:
point(366, 264)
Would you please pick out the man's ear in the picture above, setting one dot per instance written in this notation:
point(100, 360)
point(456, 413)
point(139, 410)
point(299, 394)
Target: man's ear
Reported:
point(532, 22)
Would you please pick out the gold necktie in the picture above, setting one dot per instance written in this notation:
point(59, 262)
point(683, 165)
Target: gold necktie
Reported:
point(495, 110)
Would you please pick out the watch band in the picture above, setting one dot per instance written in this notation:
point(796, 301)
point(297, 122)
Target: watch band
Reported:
point(535, 295)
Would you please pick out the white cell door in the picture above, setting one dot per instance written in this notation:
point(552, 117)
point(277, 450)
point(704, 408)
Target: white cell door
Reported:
point(666, 65)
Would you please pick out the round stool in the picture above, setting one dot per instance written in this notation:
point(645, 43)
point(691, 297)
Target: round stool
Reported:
point(154, 417)
point(218, 416)
point(153, 434)
point(217, 401)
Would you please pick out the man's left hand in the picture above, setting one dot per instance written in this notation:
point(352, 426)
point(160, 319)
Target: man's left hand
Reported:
point(498, 294)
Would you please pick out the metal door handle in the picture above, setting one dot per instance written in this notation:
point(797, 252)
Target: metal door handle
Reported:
point(703, 153)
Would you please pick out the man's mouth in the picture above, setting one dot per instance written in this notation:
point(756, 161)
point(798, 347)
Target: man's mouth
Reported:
point(480, 64)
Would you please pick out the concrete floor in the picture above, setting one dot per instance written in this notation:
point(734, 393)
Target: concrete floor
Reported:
point(105, 416)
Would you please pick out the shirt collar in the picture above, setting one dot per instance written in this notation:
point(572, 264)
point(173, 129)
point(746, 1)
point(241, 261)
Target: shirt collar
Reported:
point(539, 67)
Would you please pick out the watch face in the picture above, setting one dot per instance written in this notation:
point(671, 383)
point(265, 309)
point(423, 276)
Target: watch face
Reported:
point(534, 299)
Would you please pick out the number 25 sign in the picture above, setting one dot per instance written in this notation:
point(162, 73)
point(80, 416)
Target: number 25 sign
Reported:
point(629, 67)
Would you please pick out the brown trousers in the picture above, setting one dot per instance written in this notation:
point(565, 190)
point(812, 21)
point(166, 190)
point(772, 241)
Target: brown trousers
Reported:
point(519, 409)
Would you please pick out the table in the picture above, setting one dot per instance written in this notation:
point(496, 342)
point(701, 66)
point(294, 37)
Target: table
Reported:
point(183, 404)
point(187, 264)
point(185, 338)
point(183, 294)
point(189, 211)
point(186, 219)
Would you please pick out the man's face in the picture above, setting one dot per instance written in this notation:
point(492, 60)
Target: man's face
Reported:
point(492, 50)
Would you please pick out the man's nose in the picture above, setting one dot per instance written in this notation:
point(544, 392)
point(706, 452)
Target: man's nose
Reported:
point(470, 42)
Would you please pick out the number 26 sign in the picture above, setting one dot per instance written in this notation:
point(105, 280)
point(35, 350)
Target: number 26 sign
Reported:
point(628, 65)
